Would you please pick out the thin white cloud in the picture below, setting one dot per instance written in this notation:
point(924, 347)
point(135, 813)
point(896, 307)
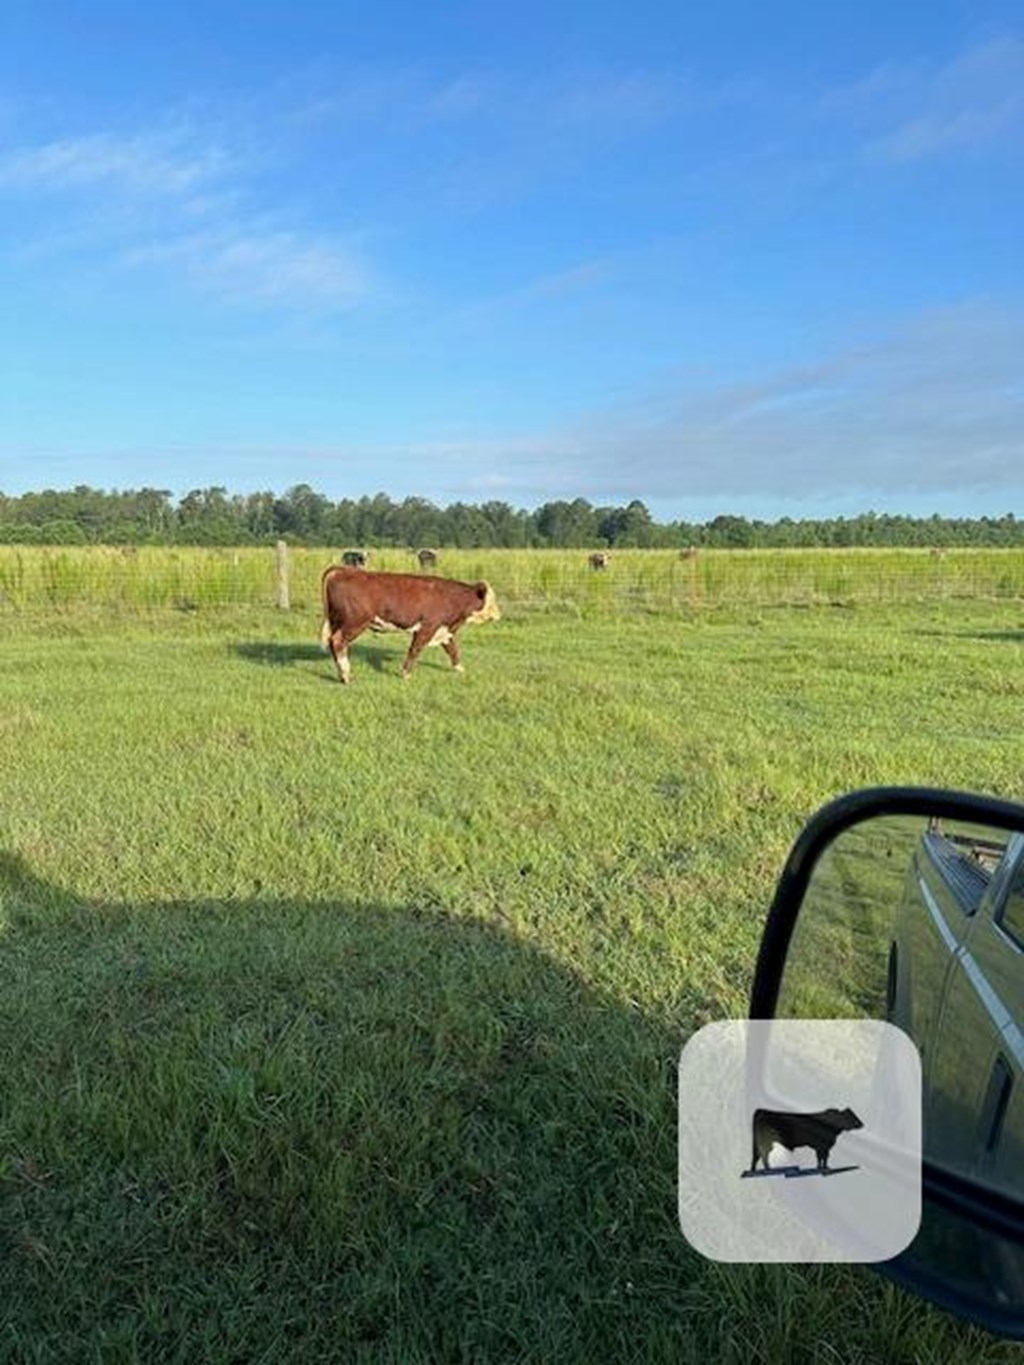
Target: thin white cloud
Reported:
point(936, 406)
point(973, 102)
point(172, 200)
point(462, 97)
point(631, 100)
point(152, 163)
point(265, 268)
point(574, 280)
point(954, 131)
point(349, 98)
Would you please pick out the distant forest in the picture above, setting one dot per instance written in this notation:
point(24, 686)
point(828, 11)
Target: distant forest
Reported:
point(212, 516)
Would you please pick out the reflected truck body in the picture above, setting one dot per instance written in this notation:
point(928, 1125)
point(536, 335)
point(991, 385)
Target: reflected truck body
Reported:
point(956, 987)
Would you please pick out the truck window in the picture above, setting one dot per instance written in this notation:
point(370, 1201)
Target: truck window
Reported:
point(1011, 917)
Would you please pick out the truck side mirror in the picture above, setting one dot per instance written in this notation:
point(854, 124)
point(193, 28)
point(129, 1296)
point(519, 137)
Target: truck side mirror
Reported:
point(907, 905)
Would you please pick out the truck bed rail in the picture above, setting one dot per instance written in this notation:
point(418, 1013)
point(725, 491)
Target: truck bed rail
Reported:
point(963, 873)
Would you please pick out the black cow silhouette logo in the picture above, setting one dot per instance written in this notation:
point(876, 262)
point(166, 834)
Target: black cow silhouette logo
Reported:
point(819, 1131)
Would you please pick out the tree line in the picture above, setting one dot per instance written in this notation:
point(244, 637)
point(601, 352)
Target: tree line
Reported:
point(212, 516)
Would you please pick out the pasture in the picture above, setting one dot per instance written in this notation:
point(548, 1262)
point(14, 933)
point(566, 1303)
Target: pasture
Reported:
point(342, 1024)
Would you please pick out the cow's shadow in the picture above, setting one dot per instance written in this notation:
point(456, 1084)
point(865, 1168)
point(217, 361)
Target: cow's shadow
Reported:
point(378, 657)
point(795, 1172)
point(278, 654)
point(992, 636)
point(235, 1113)
point(362, 653)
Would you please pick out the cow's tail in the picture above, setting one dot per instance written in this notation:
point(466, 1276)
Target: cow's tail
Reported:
point(325, 629)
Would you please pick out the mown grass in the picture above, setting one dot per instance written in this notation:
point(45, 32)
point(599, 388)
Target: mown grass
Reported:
point(342, 1024)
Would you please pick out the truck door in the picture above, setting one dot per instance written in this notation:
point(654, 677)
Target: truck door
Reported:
point(974, 1114)
point(933, 922)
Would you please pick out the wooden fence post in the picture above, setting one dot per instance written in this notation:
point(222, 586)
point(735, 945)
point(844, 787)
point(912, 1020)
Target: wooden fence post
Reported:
point(281, 561)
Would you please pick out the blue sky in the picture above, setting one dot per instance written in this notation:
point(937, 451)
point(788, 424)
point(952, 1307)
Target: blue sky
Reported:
point(760, 259)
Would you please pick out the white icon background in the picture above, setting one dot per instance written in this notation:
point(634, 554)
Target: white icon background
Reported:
point(731, 1068)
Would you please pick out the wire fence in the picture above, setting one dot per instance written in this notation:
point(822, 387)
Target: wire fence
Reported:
point(39, 579)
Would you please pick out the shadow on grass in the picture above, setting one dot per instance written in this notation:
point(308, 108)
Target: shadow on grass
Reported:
point(1000, 636)
point(277, 654)
point(1011, 636)
point(274, 1129)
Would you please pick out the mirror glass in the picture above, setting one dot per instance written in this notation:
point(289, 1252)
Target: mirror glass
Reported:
point(920, 922)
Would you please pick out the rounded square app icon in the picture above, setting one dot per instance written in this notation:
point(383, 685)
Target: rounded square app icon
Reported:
point(799, 1140)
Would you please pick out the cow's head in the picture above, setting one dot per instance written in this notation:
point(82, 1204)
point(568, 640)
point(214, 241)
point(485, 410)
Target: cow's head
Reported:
point(844, 1119)
point(488, 609)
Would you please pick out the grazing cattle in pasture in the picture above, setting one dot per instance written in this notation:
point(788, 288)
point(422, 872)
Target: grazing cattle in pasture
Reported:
point(433, 609)
point(600, 559)
point(355, 559)
point(689, 553)
point(427, 559)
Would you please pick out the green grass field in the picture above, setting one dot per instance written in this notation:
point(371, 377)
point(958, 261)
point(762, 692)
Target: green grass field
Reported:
point(342, 1024)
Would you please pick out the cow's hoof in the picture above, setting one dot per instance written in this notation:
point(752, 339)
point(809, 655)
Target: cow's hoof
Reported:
point(458, 668)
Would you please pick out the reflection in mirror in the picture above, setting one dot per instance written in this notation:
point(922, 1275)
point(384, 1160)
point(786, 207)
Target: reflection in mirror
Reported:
point(921, 923)
point(837, 965)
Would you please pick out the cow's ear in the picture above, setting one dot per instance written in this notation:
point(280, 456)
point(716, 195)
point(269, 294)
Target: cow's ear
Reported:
point(481, 591)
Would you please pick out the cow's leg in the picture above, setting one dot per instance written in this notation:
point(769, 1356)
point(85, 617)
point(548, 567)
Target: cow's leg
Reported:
point(339, 641)
point(451, 648)
point(421, 637)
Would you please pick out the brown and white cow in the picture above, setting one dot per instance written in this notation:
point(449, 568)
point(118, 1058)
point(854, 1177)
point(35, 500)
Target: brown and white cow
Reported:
point(433, 609)
point(427, 559)
point(600, 559)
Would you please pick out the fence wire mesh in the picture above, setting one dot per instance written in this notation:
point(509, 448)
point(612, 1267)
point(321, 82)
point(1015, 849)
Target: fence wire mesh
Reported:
point(37, 579)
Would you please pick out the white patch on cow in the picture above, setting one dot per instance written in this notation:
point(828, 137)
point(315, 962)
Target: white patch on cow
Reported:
point(325, 637)
point(489, 611)
point(441, 635)
point(344, 667)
